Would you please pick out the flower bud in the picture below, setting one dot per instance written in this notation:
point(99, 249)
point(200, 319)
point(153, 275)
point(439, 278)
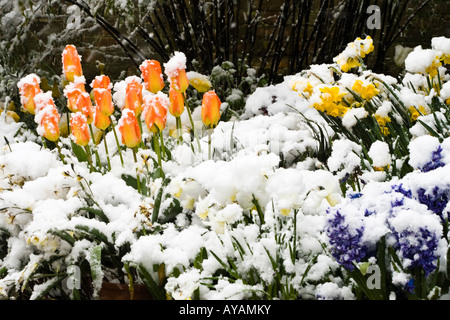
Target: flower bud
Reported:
point(101, 82)
point(180, 82)
point(101, 121)
point(176, 106)
point(47, 117)
point(211, 109)
point(84, 105)
point(155, 111)
point(71, 63)
point(73, 91)
point(129, 128)
point(79, 129)
point(103, 99)
point(175, 70)
point(152, 75)
point(50, 123)
point(133, 95)
point(29, 88)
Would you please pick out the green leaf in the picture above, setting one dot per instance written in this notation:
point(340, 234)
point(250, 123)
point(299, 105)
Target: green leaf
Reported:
point(49, 285)
point(158, 201)
point(96, 234)
point(95, 262)
point(227, 268)
point(129, 180)
point(79, 152)
point(151, 285)
point(258, 209)
point(99, 213)
point(64, 235)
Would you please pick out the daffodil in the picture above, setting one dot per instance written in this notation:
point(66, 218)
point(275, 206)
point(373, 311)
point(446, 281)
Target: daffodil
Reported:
point(382, 120)
point(353, 53)
point(331, 101)
point(366, 90)
point(416, 112)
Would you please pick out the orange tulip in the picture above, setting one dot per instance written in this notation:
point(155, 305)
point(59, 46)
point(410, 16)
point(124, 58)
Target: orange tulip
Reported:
point(47, 117)
point(175, 70)
point(101, 82)
point(180, 82)
point(176, 106)
point(71, 63)
point(129, 128)
point(50, 123)
point(210, 109)
point(29, 88)
point(80, 131)
point(84, 104)
point(72, 92)
point(133, 96)
point(155, 112)
point(101, 120)
point(103, 99)
point(152, 75)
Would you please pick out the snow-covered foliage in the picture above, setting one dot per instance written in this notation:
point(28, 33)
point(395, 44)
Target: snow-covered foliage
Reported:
point(332, 171)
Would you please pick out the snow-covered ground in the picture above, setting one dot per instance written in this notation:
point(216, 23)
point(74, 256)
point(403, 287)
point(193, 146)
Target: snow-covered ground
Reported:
point(266, 216)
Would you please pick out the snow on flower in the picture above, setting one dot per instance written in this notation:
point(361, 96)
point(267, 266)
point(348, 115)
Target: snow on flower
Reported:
point(322, 175)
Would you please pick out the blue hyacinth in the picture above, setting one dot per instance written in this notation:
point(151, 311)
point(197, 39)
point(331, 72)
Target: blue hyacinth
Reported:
point(436, 201)
point(435, 162)
point(346, 243)
point(419, 247)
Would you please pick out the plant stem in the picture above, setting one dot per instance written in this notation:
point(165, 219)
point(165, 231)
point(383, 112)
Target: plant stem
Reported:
point(106, 150)
point(209, 143)
point(60, 153)
point(141, 144)
point(138, 181)
point(157, 148)
point(192, 123)
point(89, 156)
point(161, 138)
point(44, 142)
point(95, 148)
point(179, 130)
point(117, 140)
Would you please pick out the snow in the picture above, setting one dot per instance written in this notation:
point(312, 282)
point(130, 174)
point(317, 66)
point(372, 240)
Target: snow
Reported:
point(379, 153)
point(264, 196)
point(177, 62)
point(420, 59)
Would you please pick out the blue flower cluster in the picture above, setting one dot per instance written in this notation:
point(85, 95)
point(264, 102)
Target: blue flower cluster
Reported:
point(347, 246)
point(436, 200)
point(419, 247)
point(435, 162)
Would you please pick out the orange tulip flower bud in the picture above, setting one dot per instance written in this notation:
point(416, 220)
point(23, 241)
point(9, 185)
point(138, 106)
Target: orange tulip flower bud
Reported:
point(155, 111)
point(101, 120)
point(71, 63)
point(180, 82)
point(47, 117)
point(152, 75)
point(50, 123)
point(176, 106)
point(103, 99)
point(129, 128)
point(84, 105)
point(101, 82)
point(29, 88)
point(133, 95)
point(210, 109)
point(73, 91)
point(79, 129)
point(175, 70)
